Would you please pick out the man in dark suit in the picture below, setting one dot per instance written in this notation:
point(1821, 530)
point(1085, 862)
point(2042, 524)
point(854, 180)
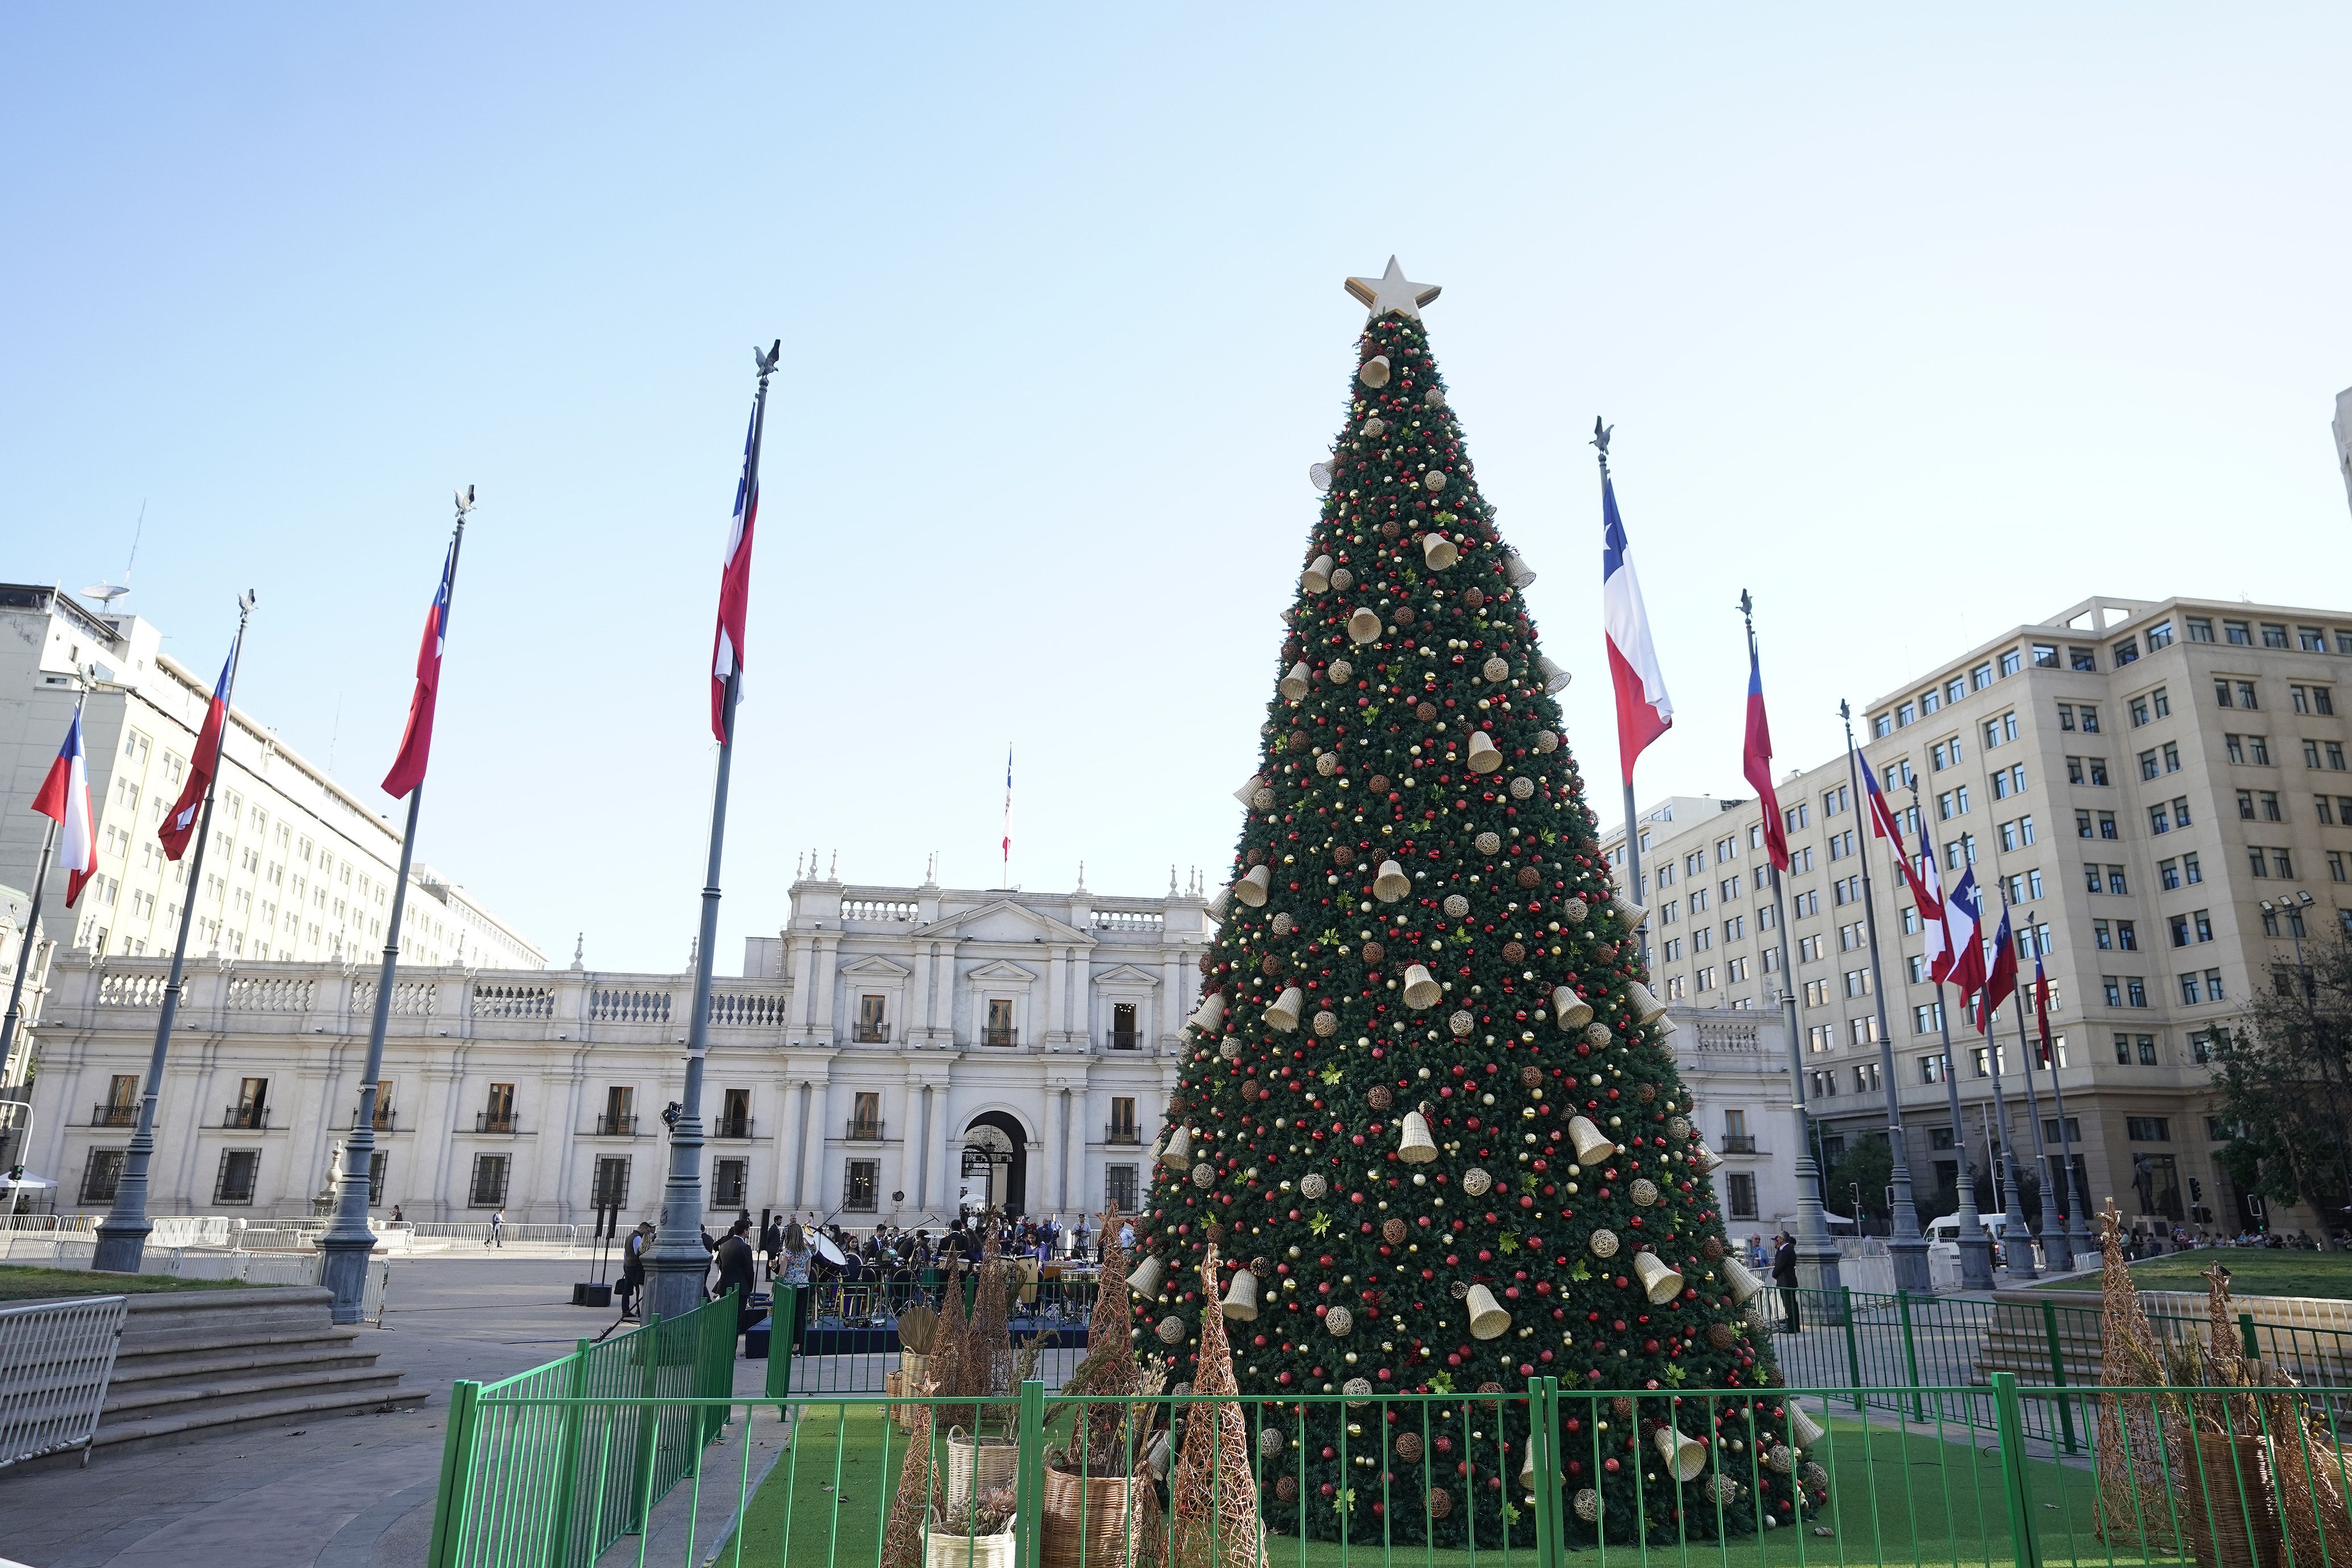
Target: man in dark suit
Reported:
point(1784, 1275)
point(737, 1271)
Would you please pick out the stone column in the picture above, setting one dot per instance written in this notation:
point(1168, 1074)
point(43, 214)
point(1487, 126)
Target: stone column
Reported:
point(1077, 1191)
point(812, 1189)
point(943, 1166)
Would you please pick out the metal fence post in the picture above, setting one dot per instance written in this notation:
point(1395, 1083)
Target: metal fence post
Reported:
point(781, 1315)
point(1910, 1353)
point(1540, 1442)
point(1853, 1347)
point(2015, 1482)
point(567, 1463)
point(1548, 1496)
point(449, 1499)
point(2246, 1329)
point(650, 1354)
point(2058, 1372)
point(1029, 1455)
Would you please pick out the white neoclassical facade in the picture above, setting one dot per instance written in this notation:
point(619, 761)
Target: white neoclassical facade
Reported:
point(889, 1051)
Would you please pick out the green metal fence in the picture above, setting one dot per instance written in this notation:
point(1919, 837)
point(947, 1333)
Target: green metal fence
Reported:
point(1517, 1473)
point(552, 1466)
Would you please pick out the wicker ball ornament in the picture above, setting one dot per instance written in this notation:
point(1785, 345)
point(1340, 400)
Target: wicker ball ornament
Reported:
point(1326, 1024)
point(1408, 1447)
point(1598, 1033)
point(1269, 1441)
point(1457, 905)
point(1722, 1336)
point(1204, 1175)
point(1286, 1488)
point(1646, 1093)
point(1573, 911)
point(1424, 712)
point(1711, 1248)
point(1498, 668)
point(1392, 1231)
point(1341, 671)
point(1644, 1192)
point(1531, 1077)
point(1328, 763)
point(1340, 1323)
point(1378, 783)
point(1312, 1187)
point(1462, 1024)
point(1380, 1097)
point(1358, 1390)
point(1545, 742)
point(1514, 953)
point(1588, 1504)
point(1170, 1331)
point(1677, 1129)
point(1522, 787)
point(1440, 1502)
point(1476, 1182)
point(1528, 876)
point(1374, 954)
point(1487, 843)
point(1604, 1243)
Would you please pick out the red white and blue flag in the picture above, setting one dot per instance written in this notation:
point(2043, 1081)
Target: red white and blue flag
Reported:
point(180, 823)
point(2001, 983)
point(2041, 1007)
point(1755, 762)
point(1008, 815)
point(65, 799)
point(1884, 823)
point(1644, 711)
point(1935, 915)
point(416, 740)
point(735, 586)
point(1962, 929)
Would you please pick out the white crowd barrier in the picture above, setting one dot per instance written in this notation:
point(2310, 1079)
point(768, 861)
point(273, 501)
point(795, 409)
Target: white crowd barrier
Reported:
point(55, 1361)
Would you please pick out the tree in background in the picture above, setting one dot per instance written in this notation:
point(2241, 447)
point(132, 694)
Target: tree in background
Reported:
point(1860, 1175)
point(1426, 1105)
point(2285, 1081)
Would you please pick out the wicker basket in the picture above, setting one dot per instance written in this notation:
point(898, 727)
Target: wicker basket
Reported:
point(946, 1549)
point(2227, 1504)
point(915, 1367)
point(977, 1466)
point(1097, 1521)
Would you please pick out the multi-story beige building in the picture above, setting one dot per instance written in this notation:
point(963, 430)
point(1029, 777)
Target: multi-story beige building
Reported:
point(299, 869)
point(2164, 792)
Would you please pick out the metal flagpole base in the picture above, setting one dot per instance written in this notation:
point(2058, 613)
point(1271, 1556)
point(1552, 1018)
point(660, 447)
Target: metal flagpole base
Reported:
point(1976, 1261)
point(1910, 1255)
point(121, 1245)
point(342, 1269)
point(677, 1267)
point(2055, 1251)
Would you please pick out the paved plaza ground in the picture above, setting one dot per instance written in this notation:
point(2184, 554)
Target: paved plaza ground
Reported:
point(347, 1491)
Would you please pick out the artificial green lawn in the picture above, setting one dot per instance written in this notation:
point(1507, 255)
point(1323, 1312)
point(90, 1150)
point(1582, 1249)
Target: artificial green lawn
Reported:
point(22, 1283)
point(1922, 1497)
point(2253, 1271)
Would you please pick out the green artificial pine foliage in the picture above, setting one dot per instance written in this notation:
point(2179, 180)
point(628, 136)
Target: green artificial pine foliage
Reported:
point(1320, 1033)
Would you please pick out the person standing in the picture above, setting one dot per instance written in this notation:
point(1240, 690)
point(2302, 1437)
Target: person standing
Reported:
point(793, 1275)
point(633, 1267)
point(497, 1230)
point(737, 1271)
point(1784, 1275)
point(771, 1243)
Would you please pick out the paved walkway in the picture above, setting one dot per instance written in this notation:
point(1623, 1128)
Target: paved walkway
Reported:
point(346, 1492)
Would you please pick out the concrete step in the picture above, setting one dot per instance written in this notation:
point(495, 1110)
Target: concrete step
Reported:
point(181, 1423)
point(318, 1356)
point(229, 1390)
point(220, 1338)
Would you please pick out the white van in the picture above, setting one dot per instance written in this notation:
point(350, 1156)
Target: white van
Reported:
point(1944, 1233)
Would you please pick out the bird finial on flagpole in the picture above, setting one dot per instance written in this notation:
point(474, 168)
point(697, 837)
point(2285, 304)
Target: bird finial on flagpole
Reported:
point(1601, 439)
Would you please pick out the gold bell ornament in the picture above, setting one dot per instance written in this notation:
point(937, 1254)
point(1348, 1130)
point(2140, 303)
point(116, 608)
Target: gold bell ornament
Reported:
point(1210, 1013)
point(1646, 1006)
point(1685, 1456)
point(1438, 552)
point(1662, 1282)
point(1420, 988)
point(1415, 1147)
point(1284, 1014)
point(1240, 1296)
point(1745, 1281)
point(1145, 1280)
point(1364, 626)
point(1593, 1145)
point(1573, 1011)
point(1391, 884)
point(1252, 889)
point(1178, 1155)
point(1297, 683)
point(1317, 579)
point(1484, 758)
point(1487, 1319)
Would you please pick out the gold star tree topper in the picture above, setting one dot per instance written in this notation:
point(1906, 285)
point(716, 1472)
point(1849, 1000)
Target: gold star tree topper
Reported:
point(1391, 290)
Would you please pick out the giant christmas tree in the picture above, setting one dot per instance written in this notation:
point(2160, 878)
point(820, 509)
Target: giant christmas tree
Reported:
point(1426, 1103)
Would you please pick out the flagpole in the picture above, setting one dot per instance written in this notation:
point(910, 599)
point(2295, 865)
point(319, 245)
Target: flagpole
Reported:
point(2078, 1230)
point(1976, 1246)
point(2055, 1253)
point(1908, 1246)
point(348, 1243)
point(1632, 839)
point(122, 1234)
point(31, 928)
point(675, 1265)
point(2016, 1242)
point(1817, 1255)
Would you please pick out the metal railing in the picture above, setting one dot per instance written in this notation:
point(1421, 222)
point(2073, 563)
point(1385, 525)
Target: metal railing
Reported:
point(253, 1118)
point(623, 1126)
point(732, 1127)
point(55, 1361)
point(495, 1121)
point(1123, 1133)
point(872, 1035)
point(1000, 1037)
point(861, 1131)
point(384, 1120)
point(1129, 1042)
point(1740, 1142)
point(1640, 1476)
point(114, 1115)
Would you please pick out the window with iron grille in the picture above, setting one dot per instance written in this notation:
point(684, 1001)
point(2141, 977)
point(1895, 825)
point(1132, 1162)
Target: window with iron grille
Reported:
point(489, 1188)
point(101, 1175)
point(240, 1169)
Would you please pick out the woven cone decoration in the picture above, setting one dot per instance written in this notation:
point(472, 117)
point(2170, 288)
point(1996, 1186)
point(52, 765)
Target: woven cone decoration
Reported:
point(1488, 1317)
point(902, 1539)
point(1591, 1145)
point(1391, 884)
point(1573, 1011)
point(1686, 1457)
point(1213, 1496)
point(1414, 1146)
point(1662, 1283)
point(1745, 1281)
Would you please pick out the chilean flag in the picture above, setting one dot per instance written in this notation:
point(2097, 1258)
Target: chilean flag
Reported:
point(734, 588)
point(1755, 761)
point(1935, 916)
point(1644, 711)
point(416, 740)
point(180, 825)
point(1961, 927)
point(2001, 983)
point(2041, 1007)
point(64, 798)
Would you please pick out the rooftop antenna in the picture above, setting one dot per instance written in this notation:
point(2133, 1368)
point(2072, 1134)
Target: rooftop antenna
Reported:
point(107, 593)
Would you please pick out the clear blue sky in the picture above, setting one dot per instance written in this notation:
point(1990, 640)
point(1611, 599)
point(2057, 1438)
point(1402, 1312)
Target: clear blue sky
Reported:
point(1918, 325)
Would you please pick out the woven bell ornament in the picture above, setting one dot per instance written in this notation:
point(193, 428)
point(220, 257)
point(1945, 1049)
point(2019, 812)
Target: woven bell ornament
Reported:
point(1317, 578)
point(1297, 683)
point(1484, 758)
point(1391, 884)
point(1219, 902)
point(1252, 889)
point(1155, 1458)
point(1573, 1011)
point(1527, 1465)
point(1240, 1296)
point(1706, 1158)
point(1515, 569)
point(1685, 1456)
point(1662, 1283)
point(1421, 987)
point(1645, 1006)
point(1630, 915)
point(1364, 626)
point(1284, 1014)
point(1593, 1145)
point(1803, 1430)
point(1438, 551)
point(1178, 1155)
point(1248, 792)
point(1745, 1281)
point(1487, 1319)
point(1210, 1013)
point(1374, 371)
point(1554, 678)
point(1415, 1147)
point(1145, 1280)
